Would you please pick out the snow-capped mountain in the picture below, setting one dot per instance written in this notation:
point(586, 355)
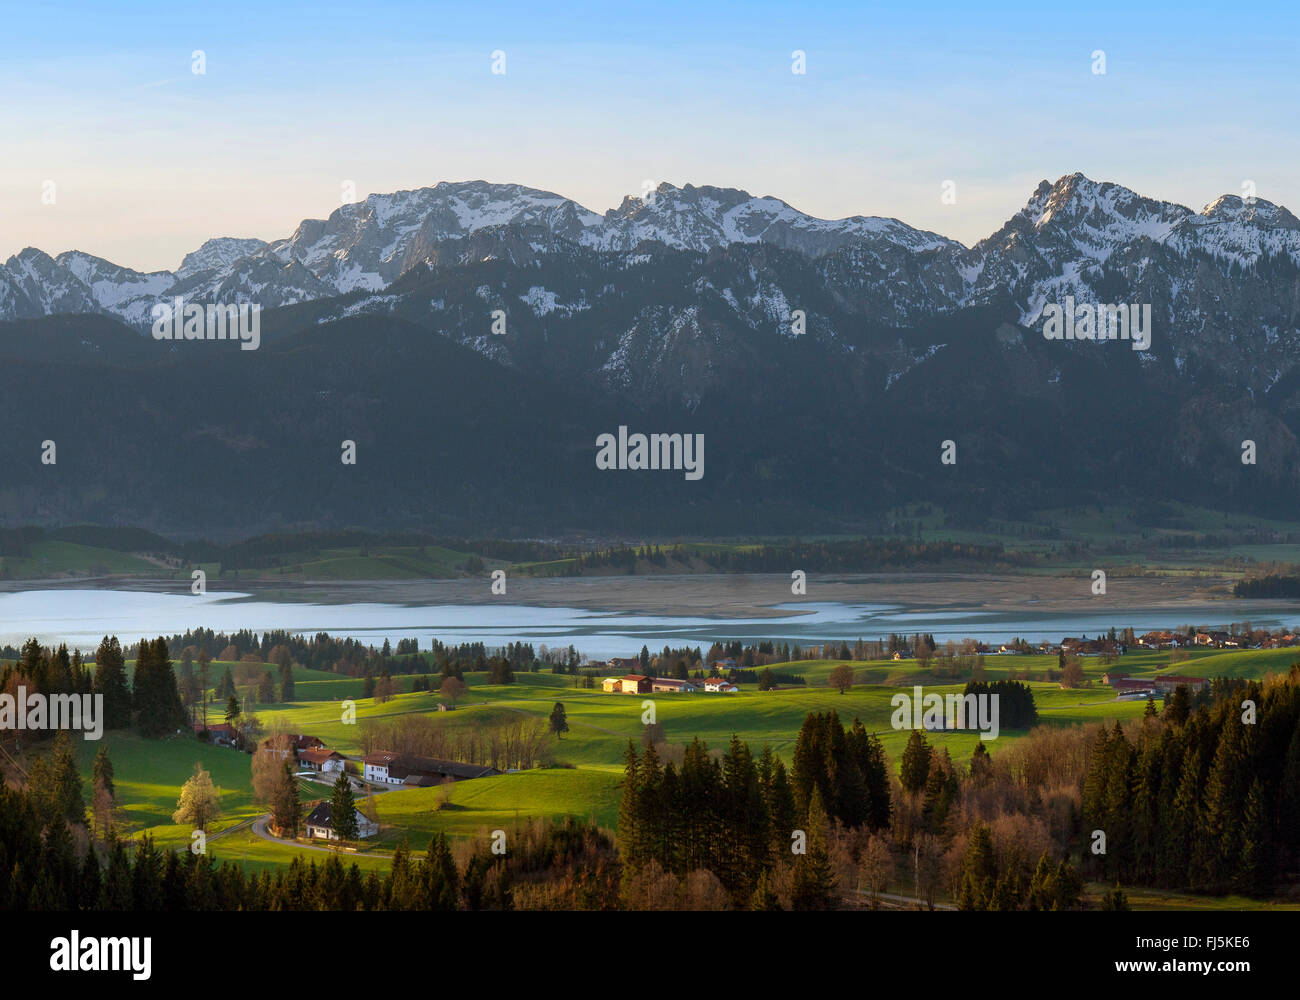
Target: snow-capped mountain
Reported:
point(1215, 279)
point(217, 255)
point(676, 310)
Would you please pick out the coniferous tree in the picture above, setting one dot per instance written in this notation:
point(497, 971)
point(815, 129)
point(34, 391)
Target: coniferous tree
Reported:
point(813, 883)
point(225, 688)
point(979, 872)
point(631, 842)
point(286, 808)
point(343, 810)
point(147, 876)
point(71, 806)
point(1042, 887)
point(1256, 870)
point(110, 681)
point(981, 766)
point(1178, 706)
point(559, 724)
point(1218, 841)
point(941, 790)
point(1183, 824)
point(442, 879)
point(1289, 782)
point(1117, 805)
point(915, 765)
point(157, 702)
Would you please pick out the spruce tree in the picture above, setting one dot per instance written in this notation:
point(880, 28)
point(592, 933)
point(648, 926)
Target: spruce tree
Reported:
point(1256, 866)
point(110, 681)
point(813, 883)
point(67, 780)
point(915, 766)
point(343, 811)
point(157, 701)
point(559, 724)
point(979, 872)
point(102, 774)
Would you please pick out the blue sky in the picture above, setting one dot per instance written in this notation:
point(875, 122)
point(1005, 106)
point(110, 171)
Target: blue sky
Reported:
point(149, 159)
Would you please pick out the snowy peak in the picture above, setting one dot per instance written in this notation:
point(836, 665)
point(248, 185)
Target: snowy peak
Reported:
point(1075, 236)
point(1081, 216)
point(46, 286)
point(701, 218)
point(1255, 212)
point(367, 244)
point(217, 254)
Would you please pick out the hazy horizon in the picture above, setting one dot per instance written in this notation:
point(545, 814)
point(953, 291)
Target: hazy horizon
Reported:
point(149, 159)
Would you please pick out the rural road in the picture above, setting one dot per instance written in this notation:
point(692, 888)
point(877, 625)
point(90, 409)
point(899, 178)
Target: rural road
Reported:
point(910, 901)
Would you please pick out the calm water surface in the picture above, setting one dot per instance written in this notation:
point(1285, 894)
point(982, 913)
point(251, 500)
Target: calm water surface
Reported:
point(82, 617)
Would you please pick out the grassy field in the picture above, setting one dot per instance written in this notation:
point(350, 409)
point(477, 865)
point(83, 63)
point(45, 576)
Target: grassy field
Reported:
point(1175, 539)
point(54, 557)
point(585, 780)
point(51, 557)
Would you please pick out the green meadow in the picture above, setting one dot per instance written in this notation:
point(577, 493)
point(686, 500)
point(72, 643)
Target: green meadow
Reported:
point(584, 775)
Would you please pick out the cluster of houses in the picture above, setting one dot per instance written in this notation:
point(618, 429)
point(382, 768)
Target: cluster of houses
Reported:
point(642, 684)
point(1218, 639)
point(309, 753)
point(380, 767)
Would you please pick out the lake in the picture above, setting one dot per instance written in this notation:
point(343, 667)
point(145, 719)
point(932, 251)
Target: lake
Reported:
point(82, 617)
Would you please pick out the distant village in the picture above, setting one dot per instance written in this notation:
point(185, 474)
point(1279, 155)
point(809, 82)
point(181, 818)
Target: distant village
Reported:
point(635, 683)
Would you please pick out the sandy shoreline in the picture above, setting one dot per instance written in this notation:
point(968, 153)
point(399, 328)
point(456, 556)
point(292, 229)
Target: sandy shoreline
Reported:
point(726, 595)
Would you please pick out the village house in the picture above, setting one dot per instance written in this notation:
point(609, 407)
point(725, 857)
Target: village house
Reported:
point(220, 734)
point(297, 744)
point(388, 768)
point(630, 663)
point(1160, 640)
point(1129, 690)
point(1091, 647)
point(319, 826)
point(721, 685)
point(422, 772)
point(374, 766)
point(670, 685)
point(1169, 682)
point(636, 684)
point(323, 761)
point(612, 685)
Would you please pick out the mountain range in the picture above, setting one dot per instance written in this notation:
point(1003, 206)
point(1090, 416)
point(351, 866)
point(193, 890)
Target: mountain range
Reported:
point(674, 311)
